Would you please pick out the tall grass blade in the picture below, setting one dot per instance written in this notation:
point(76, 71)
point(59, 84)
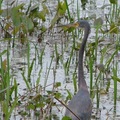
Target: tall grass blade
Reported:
point(115, 85)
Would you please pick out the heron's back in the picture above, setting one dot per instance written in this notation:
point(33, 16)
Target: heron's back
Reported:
point(80, 105)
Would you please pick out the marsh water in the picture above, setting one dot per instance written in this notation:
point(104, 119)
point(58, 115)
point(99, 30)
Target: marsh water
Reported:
point(48, 68)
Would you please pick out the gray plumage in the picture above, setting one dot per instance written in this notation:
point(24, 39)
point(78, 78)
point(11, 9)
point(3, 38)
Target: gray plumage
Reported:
point(81, 104)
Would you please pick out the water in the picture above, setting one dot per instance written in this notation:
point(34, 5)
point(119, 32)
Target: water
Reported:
point(64, 45)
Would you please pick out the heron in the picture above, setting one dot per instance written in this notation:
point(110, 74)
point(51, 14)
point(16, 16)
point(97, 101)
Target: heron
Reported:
point(80, 106)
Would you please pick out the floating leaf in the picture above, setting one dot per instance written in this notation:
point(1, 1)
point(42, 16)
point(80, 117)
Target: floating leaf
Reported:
point(61, 9)
point(57, 95)
point(31, 106)
point(98, 21)
point(42, 14)
point(49, 92)
point(23, 113)
point(113, 1)
point(4, 64)
point(36, 97)
point(66, 118)
point(39, 105)
point(16, 17)
point(114, 28)
point(27, 23)
point(57, 84)
point(43, 29)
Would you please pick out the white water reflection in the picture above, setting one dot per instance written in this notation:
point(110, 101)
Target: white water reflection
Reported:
point(106, 100)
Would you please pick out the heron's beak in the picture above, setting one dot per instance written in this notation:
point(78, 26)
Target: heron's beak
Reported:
point(73, 25)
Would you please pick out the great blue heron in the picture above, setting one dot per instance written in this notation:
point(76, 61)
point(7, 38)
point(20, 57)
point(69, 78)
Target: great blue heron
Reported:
point(80, 104)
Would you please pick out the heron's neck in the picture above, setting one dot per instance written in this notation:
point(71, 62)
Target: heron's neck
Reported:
point(81, 80)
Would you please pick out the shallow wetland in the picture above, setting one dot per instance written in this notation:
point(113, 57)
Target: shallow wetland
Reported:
point(39, 58)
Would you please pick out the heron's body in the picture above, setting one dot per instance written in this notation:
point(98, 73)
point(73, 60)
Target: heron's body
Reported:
point(81, 110)
point(81, 104)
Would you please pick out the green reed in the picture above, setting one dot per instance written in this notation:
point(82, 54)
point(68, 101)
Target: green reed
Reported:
point(69, 60)
point(114, 11)
point(28, 61)
point(6, 84)
point(74, 78)
point(108, 62)
point(8, 102)
point(41, 56)
point(30, 66)
point(96, 42)
point(57, 56)
point(39, 77)
point(78, 10)
point(48, 71)
point(66, 64)
point(91, 62)
point(68, 11)
point(115, 69)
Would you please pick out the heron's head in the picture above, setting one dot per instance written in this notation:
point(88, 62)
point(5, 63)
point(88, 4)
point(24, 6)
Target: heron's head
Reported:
point(83, 24)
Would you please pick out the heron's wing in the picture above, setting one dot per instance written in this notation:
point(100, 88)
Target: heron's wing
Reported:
point(80, 105)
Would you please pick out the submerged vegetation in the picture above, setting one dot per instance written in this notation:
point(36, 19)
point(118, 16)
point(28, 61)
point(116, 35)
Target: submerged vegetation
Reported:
point(39, 59)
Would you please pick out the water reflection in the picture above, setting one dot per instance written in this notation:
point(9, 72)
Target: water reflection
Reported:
point(64, 42)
